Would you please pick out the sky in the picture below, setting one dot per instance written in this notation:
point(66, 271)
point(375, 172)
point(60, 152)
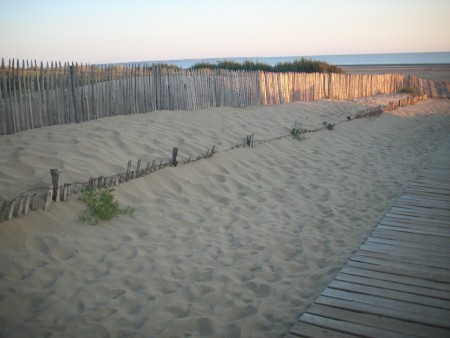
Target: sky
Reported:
point(108, 31)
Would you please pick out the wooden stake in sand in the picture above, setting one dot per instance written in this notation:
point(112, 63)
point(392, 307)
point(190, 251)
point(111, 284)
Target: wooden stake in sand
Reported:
point(49, 198)
point(174, 161)
point(56, 175)
point(138, 169)
point(127, 177)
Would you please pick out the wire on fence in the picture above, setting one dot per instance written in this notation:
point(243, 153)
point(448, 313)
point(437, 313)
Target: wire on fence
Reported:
point(56, 192)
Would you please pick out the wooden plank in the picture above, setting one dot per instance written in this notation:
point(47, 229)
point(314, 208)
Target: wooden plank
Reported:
point(440, 184)
point(395, 326)
point(428, 315)
point(415, 220)
point(346, 327)
point(429, 229)
point(398, 251)
point(306, 330)
point(428, 192)
point(363, 270)
point(416, 251)
point(422, 203)
point(431, 184)
point(399, 263)
point(396, 285)
point(410, 237)
point(400, 311)
point(425, 210)
point(389, 294)
point(397, 258)
point(442, 236)
point(439, 232)
point(420, 213)
point(438, 250)
point(399, 270)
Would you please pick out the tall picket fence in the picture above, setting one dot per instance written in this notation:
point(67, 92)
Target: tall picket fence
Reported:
point(35, 95)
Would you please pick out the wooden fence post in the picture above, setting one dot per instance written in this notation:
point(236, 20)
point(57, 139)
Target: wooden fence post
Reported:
point(56, 175)
point(127, 177)
point(49, 198)
point(174, 161)
point(34, 202)
point(27, 204)
point(12, 205)
point(20, 207)
point(3, 209)
point(138, 169)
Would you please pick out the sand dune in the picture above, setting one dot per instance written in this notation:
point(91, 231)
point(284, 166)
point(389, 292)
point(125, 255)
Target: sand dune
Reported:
point(236, 245)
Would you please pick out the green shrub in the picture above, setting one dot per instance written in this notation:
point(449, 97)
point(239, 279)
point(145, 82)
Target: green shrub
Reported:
point(101, 205)
point(297, 133)
point(408, 90)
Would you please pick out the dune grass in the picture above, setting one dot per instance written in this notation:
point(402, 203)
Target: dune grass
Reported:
point(301, 65)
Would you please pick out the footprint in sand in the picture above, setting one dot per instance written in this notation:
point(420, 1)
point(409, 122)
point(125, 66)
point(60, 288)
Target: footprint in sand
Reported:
point(63, 253)
point(36, 245)
point(260, 290)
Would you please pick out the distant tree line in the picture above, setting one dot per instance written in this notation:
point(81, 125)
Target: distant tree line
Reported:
point(302, 65)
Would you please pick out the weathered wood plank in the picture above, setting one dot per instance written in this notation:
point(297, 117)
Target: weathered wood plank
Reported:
point(379, 280)
point(413, 246)
point(416, 251)
point(422, 203)
point(438, 215)
point(406, 254)
point(402, 263)
point(408, 271)
point(415, 220)
point(410, 237)
point(433, 231)
point(306, 330)
point(430, 315)
point(429, 229)
point(346, 327)
point(390, 294)
point(395, 326)
point(396, 310)
point(441, 236)
point(364, 270)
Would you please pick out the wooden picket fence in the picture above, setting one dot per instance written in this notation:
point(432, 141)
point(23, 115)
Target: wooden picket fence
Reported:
point(36, 95)
point(42, 198)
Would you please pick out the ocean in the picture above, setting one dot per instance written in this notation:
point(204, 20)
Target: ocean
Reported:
point(337, 60)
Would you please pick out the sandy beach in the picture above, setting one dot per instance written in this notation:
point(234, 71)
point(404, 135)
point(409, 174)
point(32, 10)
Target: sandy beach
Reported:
point(237, 245)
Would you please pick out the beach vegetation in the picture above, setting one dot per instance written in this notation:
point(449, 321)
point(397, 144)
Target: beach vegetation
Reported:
point(301, 65)
point(409, 90)
point(297, 133)
point(101, 205)
point(166, 66)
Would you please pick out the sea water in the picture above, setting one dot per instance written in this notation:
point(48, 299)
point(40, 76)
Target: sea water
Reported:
point(338, 60)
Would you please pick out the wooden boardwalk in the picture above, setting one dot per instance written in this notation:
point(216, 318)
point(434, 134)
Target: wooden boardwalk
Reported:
point(397, 284)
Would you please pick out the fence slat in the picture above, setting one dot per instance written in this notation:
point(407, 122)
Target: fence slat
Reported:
point(33, 96)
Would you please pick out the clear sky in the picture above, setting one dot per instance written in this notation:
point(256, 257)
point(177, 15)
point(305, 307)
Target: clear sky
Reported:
point(103, 31)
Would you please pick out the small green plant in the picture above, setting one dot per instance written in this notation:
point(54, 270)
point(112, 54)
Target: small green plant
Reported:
point(101, 205)
point(297, 133)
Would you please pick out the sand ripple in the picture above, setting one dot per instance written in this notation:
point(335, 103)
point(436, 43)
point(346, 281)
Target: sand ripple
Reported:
point(237, 245)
